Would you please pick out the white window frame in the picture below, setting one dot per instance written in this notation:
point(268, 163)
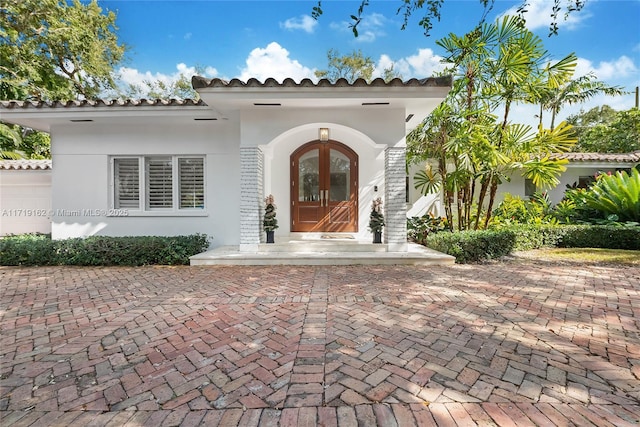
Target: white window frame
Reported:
point(175, 210)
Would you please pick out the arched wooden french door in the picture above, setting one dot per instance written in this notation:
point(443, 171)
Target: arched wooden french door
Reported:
point(324, 188)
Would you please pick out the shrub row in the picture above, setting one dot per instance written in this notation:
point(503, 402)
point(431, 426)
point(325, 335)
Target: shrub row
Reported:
point(481, 245)
point(100, 250)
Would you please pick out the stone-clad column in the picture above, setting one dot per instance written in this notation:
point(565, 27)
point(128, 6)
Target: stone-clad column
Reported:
point(395, 203)
point(251, 198)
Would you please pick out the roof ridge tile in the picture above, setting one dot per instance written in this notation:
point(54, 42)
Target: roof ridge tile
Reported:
point(16, 104)
point(200, 82)
point(25, 164)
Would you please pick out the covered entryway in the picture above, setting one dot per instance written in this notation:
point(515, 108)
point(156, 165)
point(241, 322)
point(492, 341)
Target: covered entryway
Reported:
point(324, 188)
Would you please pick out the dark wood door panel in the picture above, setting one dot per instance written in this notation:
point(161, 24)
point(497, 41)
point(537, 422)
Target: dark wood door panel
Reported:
point(324, 188)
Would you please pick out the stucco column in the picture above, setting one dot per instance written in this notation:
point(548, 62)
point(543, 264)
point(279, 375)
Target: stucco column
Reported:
point(251, 198)
point(395, 203)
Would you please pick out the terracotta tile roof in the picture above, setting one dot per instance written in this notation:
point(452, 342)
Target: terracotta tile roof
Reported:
point(199, 82)
point(202, 82)
point(25, 164)
point(633, 157)
point(102, 103)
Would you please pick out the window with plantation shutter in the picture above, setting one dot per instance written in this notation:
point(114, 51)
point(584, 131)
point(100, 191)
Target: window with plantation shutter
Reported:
point(159, 188)
point(127, 183)
point(191, 183)
point(165, 185)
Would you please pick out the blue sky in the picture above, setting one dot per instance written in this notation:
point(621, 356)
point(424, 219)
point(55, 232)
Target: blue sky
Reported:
point(243, 39)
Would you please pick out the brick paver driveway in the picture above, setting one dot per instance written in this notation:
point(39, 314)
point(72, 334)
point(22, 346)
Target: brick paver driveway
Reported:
point(519, 343)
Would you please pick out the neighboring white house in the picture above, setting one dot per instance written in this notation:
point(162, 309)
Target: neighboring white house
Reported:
point(581, 171)
point(324, 150)
point(25, 196)
point(582, 168)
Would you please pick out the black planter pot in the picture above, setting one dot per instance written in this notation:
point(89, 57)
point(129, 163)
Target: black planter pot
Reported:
point(377, 237)
point(270, 235)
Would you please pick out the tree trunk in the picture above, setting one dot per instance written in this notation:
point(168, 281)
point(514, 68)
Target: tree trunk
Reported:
point(492, 197)
point(460, 210)
point(472, 190)
point(448, 199)
point(483, 192)
point(541, 111)
point(553, 117)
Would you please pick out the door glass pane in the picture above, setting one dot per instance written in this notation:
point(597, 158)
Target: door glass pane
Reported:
point(309, 176)
point(339, 178)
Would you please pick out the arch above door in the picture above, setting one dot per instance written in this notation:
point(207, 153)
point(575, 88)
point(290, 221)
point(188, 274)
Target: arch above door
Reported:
point(324, 188)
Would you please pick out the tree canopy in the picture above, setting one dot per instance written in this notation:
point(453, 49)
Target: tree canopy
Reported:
point(53, 50)
point(352, 67)
point(431, 12)
point(605, 130)
point(180, 88)
point(56, 49)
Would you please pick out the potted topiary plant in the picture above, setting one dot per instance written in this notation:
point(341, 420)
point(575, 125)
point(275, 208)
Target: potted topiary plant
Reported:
point(376, 220)
point(270, 223)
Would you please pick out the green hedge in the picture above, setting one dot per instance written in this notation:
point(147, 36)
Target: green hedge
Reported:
point(602, 236)
point(481, 245)
point(100, 250)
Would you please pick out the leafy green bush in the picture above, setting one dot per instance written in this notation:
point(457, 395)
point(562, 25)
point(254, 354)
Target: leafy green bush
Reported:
point(513, 211)
point(573, 209)
point(473, 246)
point(37, 249)
point(601, 236)
point(481, 245)
point(617, 194)
point(419, 227)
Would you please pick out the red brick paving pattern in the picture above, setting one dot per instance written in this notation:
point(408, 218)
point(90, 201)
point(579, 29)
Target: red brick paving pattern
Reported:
point(501, 344)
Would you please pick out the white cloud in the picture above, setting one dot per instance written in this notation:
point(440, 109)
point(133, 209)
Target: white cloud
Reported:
point(539, 12)
point(423, 64)
point(303, 22)
point(210, 72)
point(273, 61)
point(607, 70)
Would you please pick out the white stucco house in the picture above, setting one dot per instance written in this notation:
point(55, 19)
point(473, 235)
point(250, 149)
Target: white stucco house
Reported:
point(25, 196)
point(324, 150)
point(581, 171)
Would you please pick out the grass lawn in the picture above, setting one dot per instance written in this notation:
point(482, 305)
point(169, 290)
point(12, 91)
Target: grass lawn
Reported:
point(583, 256)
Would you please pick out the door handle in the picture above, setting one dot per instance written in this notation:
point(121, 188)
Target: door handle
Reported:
point(324, 197)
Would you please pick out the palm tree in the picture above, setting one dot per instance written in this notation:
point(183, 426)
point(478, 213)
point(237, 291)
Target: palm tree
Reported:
point(10, 141)
point(574, 92)
point(515, 75)
point(496, 66)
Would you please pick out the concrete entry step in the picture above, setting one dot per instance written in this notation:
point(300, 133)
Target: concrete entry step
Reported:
point(310, 246)
point(304, 252)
